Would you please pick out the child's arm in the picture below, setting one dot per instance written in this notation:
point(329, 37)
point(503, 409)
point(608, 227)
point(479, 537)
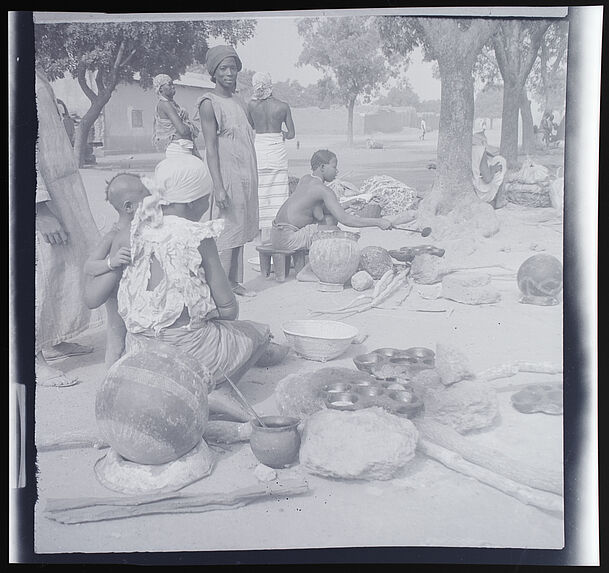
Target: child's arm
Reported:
point(96, 262)
point(98, 288)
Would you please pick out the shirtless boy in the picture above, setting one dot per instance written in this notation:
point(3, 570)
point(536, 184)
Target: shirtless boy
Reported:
point(104, 267)
point(314, 206)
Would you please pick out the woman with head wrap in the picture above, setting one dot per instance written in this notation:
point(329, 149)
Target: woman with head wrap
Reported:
point(175, 291)
point(269, 115)
point(231, 157)
point(488, 171)
point(171, 126)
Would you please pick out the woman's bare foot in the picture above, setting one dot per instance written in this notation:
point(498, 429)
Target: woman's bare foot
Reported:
point(65, 349)
point(49, 376)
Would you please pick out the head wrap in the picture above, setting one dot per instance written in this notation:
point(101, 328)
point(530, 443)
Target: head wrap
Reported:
point(159, 81)
point(263, 85)
point(180, 178)
point(216, 54)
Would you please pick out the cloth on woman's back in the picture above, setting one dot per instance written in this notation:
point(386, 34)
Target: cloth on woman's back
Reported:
point(238, 168)
point(163, 129)
point(220, 345)
point(175, 246)
point(60, 312)
point(290, 238)
point(273, 184)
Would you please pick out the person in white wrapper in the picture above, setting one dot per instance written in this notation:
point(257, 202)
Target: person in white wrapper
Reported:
point(268, 116)
point(488, 170)
point(66, 232)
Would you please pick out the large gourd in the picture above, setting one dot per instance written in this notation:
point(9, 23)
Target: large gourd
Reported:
point(376, 261)
point(540, 279)
point(334, 258)
point(152, 406)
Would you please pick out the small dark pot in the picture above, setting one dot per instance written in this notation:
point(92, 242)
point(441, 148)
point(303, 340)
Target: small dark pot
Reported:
point(278, 444)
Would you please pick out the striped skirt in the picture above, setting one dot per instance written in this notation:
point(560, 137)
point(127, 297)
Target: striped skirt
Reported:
point(273, 186)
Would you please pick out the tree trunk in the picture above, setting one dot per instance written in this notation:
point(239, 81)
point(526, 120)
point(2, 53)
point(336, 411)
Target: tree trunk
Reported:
point(454, 169)
point(528, 135)
point(350, 107)
point(83, 128)
point(455, 44)
point(515, 63)
point(509, 124)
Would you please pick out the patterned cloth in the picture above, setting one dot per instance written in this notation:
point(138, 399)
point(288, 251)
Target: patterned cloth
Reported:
point(60, 311)
point(164, 132)
point(290, 238)
point(273, 186)
point(220, 345)
point(175, 245)
point(238, 169)
point(263, 85)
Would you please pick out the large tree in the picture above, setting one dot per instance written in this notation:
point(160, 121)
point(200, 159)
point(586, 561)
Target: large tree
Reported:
point(113, 52)
point(347, 50)
point(454, 43)
point(516, 45)
point(548, 78)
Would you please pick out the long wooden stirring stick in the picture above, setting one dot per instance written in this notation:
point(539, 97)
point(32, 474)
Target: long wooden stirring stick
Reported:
point(243, 399)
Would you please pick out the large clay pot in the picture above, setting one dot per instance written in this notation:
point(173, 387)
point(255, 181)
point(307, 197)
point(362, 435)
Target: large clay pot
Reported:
point(152, 406)
point(334, 257)
point(540, 279)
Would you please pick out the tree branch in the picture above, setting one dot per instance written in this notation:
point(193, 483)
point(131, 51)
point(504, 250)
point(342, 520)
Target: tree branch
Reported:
point(82, 82)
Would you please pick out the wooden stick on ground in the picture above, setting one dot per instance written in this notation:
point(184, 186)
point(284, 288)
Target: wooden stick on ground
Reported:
point(86, 510)
point(490, 458)
point(542, 499)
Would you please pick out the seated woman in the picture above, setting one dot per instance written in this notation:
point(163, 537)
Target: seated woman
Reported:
point(176, 292)
point(488, 171)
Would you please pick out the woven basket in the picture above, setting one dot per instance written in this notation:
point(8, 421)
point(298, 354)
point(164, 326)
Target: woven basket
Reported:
point(319, 340)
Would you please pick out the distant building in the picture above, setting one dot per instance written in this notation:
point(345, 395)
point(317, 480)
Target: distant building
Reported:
point(128, 116)
point(125, 123)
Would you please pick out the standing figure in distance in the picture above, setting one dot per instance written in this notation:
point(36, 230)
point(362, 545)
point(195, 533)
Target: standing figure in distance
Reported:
point(268, 115)
point(172, 129)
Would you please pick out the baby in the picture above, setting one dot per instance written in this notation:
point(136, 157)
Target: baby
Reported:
point(104, 267)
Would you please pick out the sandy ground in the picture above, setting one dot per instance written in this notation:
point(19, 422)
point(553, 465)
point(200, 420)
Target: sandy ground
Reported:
point(427, 504)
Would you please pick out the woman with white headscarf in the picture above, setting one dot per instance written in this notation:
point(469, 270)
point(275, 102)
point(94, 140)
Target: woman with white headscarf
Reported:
point(176, 291)
point(172, 129)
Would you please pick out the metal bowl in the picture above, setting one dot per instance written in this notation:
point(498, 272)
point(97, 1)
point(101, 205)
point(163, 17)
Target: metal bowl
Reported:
point(402, 396)
point(388, 352)
point(337, 387)
point(342, 400)
point(367, 362)
point(421, 356)
point(370, 391)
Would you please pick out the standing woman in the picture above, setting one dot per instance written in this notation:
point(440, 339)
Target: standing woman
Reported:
point(172, 129)
point(231, 158)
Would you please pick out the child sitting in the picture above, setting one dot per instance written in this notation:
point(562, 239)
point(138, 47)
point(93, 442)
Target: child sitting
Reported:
point(313, 205)
point(104, 267)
